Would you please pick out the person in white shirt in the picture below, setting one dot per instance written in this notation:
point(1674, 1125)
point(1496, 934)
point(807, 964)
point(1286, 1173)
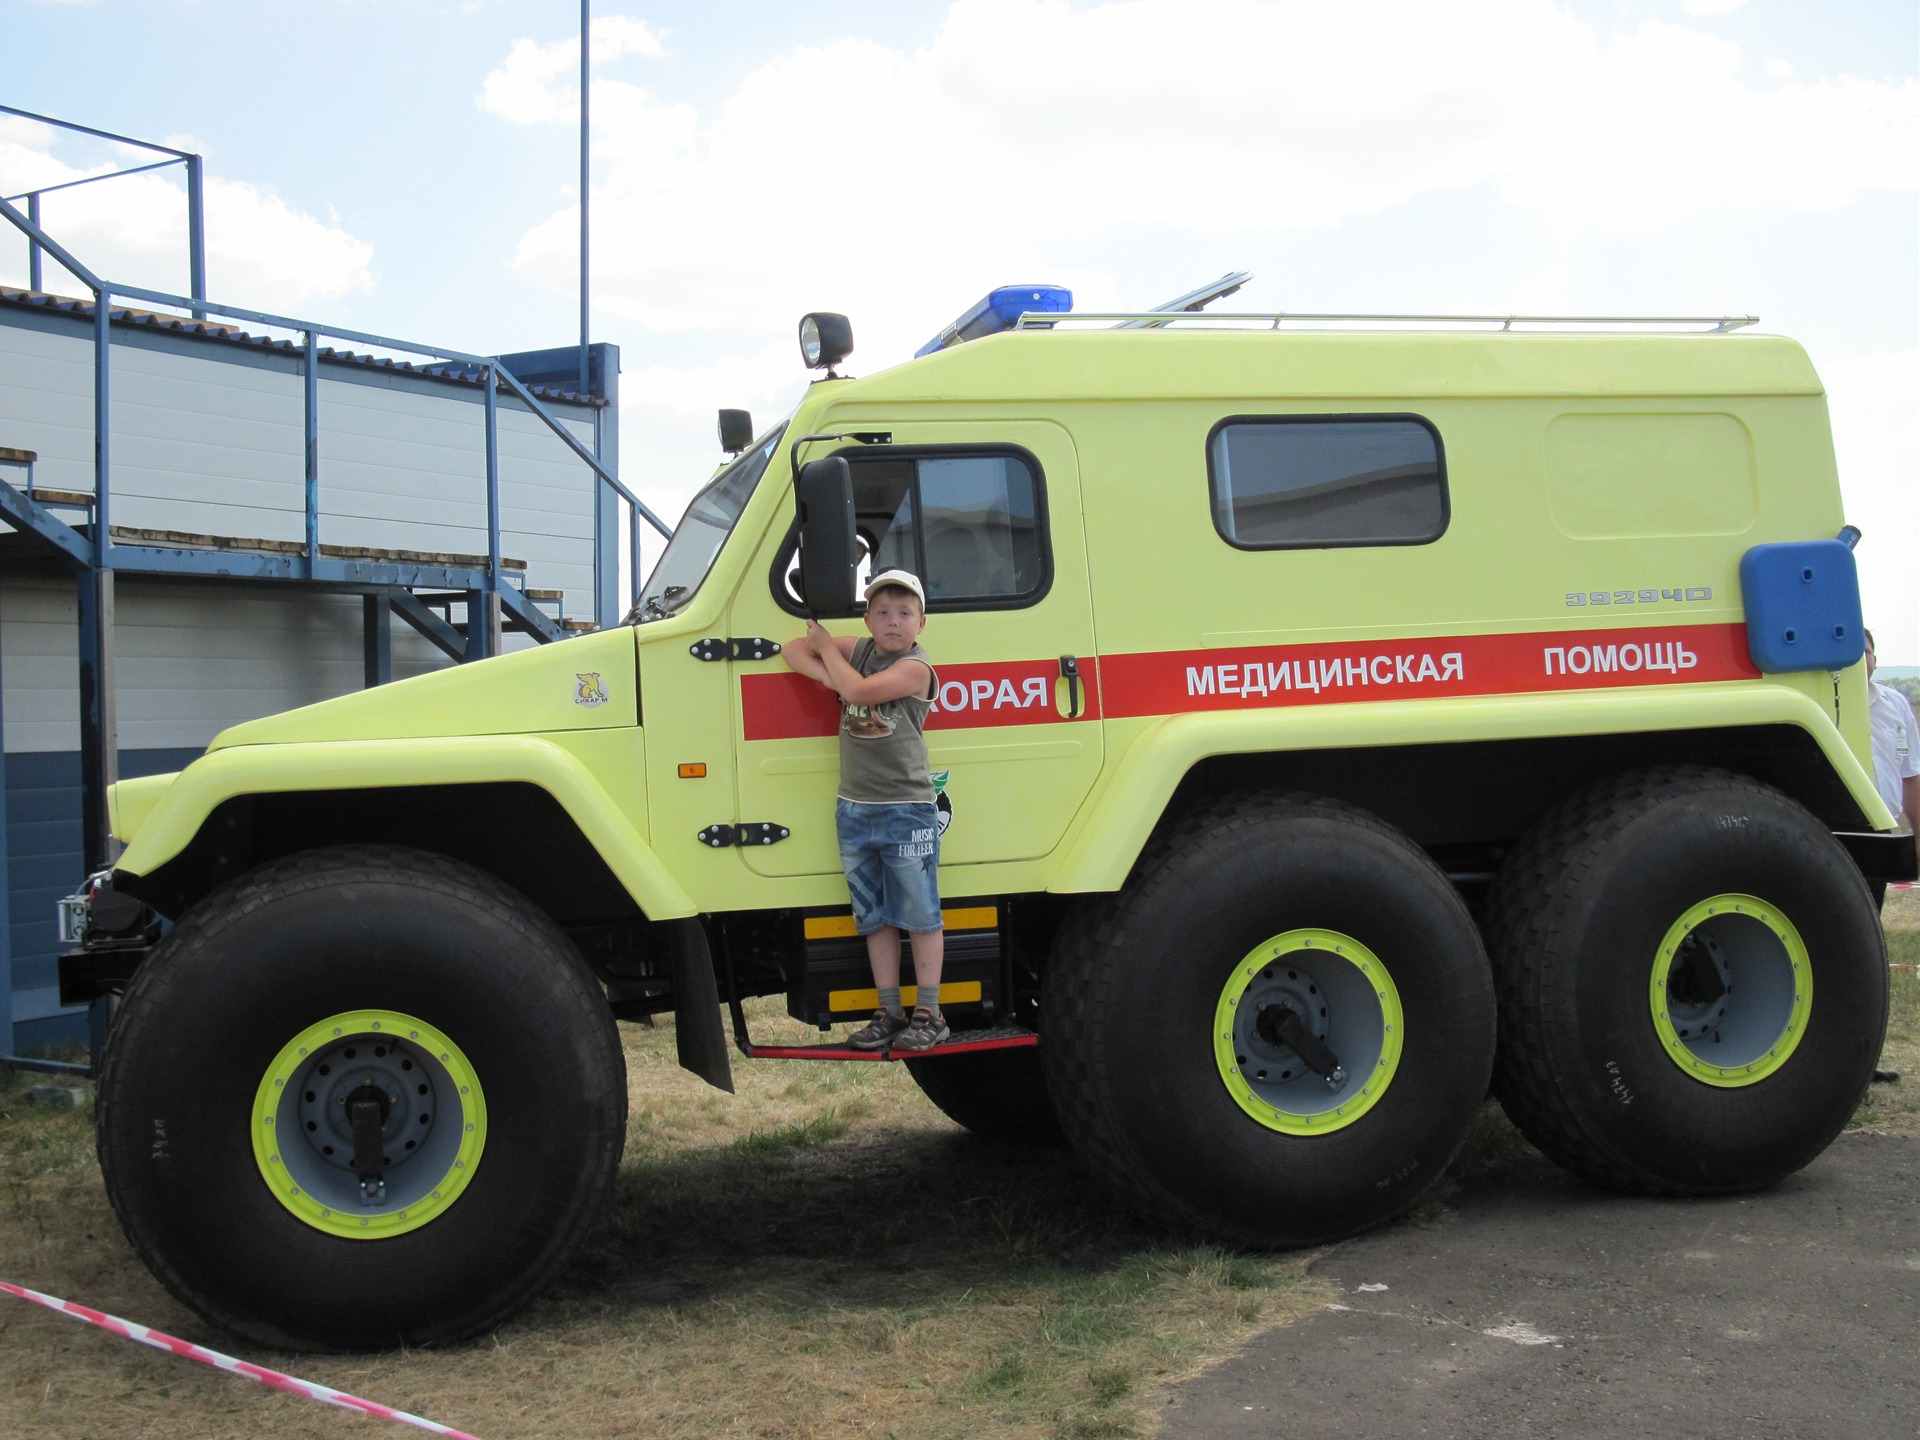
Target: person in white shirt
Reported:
point(1896, 765)
point(1896, 746)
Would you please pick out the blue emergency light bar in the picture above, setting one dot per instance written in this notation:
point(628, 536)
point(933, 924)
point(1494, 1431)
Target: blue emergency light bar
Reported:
point(1001, 310)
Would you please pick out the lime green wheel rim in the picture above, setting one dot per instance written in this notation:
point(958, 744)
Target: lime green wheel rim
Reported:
point(1731, 991)
point(1336, 989)
point(433, 1123)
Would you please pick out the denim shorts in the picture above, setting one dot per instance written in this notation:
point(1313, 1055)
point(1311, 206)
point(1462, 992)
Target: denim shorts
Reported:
point(891, 854)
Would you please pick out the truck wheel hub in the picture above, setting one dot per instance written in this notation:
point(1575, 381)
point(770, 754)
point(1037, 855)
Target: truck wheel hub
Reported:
point(369, 1124)
point(1308, 1031)
point(1731, 990)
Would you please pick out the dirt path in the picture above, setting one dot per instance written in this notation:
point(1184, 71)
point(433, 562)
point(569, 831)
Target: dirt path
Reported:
point(1537, 1306)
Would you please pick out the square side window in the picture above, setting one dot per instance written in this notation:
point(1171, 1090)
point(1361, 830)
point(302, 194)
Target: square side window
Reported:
point(1309, 481)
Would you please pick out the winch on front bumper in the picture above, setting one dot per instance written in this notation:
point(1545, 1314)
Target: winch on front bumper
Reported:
point(112, 933)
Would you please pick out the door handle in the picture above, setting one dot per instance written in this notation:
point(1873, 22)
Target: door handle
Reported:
point(1070, 672)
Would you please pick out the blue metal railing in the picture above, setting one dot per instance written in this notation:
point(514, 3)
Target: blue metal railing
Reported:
point(196, 196)
point(496, 375)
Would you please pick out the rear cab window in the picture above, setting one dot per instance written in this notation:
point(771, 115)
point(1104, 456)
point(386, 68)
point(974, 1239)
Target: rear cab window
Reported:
point(1280, 482)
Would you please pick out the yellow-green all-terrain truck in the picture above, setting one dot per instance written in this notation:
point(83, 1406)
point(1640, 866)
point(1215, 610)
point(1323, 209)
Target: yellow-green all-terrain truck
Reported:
point(1331, 722)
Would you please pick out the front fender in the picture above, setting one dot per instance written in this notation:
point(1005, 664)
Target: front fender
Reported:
point(1111, 830)
point(172, 818)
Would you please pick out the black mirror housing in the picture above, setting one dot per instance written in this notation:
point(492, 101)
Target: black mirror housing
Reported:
point(829, 551)
point(736, 430)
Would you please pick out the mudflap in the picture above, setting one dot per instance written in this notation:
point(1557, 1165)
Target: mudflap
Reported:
point(699, 1036)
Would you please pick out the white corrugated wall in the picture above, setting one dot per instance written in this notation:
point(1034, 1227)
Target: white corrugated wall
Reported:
point(207, 439)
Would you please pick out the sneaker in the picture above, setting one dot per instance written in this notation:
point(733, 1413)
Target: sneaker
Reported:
point(926, 1030)
point(1886, 1077)
point(878, 1033)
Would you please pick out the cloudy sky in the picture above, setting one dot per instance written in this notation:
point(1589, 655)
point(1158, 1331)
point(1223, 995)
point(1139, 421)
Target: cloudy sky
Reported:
point(409, 167)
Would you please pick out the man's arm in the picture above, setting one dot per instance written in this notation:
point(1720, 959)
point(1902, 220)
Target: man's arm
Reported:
point(1910, 797)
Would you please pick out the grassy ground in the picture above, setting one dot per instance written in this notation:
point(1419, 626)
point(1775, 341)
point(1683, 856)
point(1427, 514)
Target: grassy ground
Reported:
point(822, 1254)
point(1895, 1109)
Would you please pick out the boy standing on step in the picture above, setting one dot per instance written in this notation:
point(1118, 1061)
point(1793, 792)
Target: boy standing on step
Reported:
point(888, 827)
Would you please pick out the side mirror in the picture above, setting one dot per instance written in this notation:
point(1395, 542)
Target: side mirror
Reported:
point(736, 430)
point(829, 553)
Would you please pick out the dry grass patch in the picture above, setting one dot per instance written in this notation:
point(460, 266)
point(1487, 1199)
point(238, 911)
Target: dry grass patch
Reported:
point(1895, 1109)
point(820, 1254)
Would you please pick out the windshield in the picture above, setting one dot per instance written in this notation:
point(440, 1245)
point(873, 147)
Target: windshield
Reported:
point(702, 531)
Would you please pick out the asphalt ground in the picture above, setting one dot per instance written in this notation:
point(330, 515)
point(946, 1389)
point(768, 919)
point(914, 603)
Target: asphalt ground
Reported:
point(1534, 1305)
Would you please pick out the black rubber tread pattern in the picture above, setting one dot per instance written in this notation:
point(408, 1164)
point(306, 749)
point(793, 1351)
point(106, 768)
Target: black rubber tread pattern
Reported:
point(189, 974)
point(999, 1095)
point(1531, 930)
point(1092, 952)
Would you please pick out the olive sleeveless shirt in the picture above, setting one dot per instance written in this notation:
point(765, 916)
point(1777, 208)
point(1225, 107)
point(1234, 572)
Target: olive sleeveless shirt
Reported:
point(883, 752)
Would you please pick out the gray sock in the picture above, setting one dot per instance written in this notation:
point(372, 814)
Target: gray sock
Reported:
point(890, 999)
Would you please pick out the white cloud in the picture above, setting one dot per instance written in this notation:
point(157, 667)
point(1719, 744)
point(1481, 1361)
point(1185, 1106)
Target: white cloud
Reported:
point(1713, 7)
point(261, 252)
point(257, 244)
point(1092, 120)
point(851, 175)
point(1780, 69)
point(539, 82)
point(670, 410)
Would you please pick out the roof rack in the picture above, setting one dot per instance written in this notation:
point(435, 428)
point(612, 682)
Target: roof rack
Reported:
point(1160, 319)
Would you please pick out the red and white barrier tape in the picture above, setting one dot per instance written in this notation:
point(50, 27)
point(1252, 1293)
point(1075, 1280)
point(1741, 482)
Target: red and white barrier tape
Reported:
point(174, 1346)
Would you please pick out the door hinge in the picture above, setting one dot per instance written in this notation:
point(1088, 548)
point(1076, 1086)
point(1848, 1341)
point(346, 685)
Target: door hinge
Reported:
point(751, 647)
point(753, 832)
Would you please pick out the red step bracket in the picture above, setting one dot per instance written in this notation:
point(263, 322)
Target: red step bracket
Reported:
point(961, 1042)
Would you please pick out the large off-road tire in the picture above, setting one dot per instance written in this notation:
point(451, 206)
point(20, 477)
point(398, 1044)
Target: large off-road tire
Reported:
point(1175, 1082)
point(289, 1003)
point(997, 1094)
point(1693, 984)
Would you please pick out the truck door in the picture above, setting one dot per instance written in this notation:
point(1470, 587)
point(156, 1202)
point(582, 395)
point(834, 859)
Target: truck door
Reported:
point(988, 515)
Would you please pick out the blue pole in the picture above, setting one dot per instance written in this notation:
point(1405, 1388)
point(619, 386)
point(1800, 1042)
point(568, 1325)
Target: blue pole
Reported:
point(633, 537)
point(483, 605)
point(493, 480)
point(6, 891)
point(586, 23)
point(99, 757)
point(102, 444)
point(196, 236)
point(33, 245)
point(312, 421)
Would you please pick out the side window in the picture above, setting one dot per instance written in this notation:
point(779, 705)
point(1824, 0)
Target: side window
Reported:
point(1309, 481)
point(970, 524)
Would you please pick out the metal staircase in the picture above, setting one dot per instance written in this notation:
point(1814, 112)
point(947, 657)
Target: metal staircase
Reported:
point(463, 603)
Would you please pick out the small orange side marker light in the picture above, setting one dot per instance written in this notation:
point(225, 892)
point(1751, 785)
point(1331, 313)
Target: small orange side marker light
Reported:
point(695, 771)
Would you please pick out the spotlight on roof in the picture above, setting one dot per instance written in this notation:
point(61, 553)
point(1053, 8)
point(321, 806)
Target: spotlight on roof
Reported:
point(825, 340)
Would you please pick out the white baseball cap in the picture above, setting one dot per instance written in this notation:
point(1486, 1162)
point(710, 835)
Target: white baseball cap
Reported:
point(905, 579)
